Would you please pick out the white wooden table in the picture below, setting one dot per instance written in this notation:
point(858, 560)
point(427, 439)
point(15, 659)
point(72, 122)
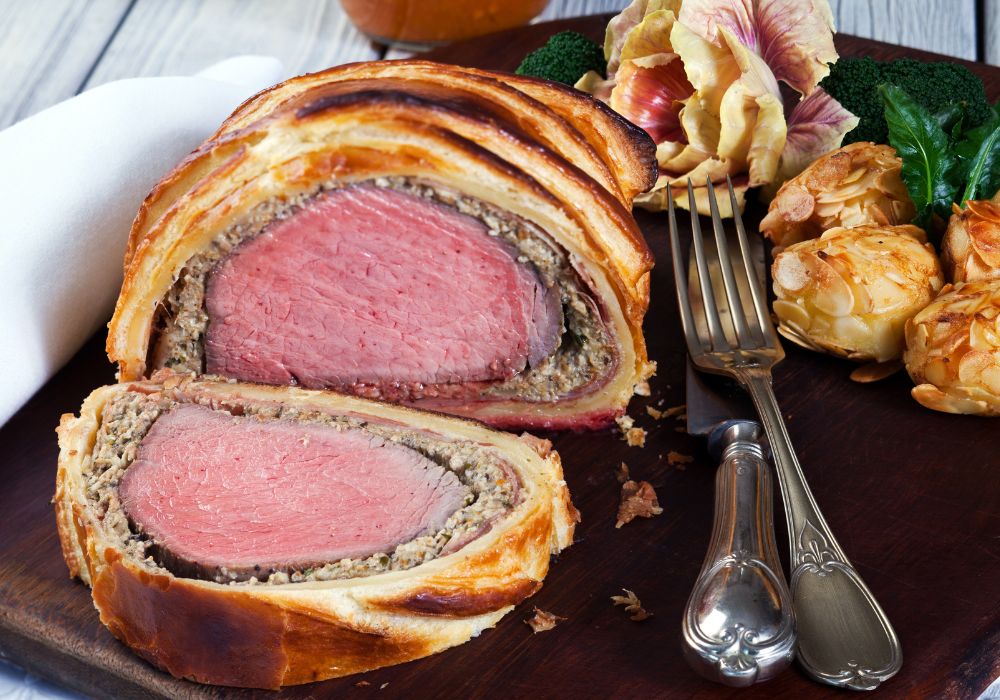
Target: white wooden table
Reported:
point(51, 50)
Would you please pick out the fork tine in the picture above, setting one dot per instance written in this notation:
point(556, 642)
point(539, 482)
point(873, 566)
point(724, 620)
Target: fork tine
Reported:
point(695, 344)
point(717, 336)
point(756, 285)
point(736, 313)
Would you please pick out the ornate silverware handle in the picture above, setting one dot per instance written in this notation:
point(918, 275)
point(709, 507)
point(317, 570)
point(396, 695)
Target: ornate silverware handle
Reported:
point(845, 639)
point(738, 625)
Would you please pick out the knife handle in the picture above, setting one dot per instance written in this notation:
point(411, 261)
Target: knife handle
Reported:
point(738, 625)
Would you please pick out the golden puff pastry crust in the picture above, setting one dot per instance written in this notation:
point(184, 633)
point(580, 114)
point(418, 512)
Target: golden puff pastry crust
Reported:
point(271, 635)
point(567, 166)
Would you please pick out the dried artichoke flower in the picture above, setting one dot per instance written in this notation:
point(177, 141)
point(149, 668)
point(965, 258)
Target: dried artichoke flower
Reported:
point(850, 292)
point(856, 185)
point(970, 249)
point(953, 350)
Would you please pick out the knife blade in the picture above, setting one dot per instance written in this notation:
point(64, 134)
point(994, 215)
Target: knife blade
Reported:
point(713, 400)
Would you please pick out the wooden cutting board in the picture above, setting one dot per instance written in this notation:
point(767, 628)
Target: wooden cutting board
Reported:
point(913, 496)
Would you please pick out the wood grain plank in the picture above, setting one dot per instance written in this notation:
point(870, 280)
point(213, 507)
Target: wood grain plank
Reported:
point(942, 26)
point(47, 48)
point(182, 36)
point(991, 31)
point(558, 9)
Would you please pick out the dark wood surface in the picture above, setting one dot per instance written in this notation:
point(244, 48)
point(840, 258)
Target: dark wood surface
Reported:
point(913, 496)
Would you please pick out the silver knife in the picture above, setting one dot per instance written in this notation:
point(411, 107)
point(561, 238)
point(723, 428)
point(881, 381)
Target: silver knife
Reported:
point(738, 625)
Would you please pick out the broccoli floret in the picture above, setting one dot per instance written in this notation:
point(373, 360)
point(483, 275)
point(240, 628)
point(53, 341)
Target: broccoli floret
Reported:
point(854, 83)
point(565, 57)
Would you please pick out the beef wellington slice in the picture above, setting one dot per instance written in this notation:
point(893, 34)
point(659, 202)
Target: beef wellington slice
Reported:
point(261, 536)
point(407, 231)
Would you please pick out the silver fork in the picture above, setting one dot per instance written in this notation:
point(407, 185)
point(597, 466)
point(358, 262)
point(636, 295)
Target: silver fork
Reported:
point(844, 637)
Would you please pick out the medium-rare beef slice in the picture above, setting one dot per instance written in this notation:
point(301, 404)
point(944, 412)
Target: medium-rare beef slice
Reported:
point(369, 285)
point(261, 493)
point(221, 492)
point(569, 347)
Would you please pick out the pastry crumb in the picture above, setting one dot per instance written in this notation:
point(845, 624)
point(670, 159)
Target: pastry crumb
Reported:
point(542, 621)
point(638, 500)
point(622, 473)
point(678, 460)
point(635, 437)
point(633, 606)
point(384, 686)
point(362, 684)
point(656, 414)
point(642, 389)
point(678, 412)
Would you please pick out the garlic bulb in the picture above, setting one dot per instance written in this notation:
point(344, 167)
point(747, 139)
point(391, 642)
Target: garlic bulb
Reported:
point(850, 292)
point(970, 249)
point(953, 350)
point(858, 184)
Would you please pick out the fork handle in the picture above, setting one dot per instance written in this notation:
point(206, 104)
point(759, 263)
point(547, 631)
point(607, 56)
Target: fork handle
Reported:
point(738, 625)
point(845, 638)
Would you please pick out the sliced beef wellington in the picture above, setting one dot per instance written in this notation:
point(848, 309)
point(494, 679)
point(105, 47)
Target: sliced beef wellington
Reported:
point(417, 233)
point(261, 536)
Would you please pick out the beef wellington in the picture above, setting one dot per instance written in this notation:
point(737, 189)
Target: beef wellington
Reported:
point(407, 231)
point(261, 536)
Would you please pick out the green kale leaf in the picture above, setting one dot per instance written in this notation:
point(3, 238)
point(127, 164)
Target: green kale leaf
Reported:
point(978, 153)
point(928, 163)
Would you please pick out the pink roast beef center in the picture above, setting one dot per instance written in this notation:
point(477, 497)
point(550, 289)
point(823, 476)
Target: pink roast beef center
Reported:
point(216, 491)
point(373, 286)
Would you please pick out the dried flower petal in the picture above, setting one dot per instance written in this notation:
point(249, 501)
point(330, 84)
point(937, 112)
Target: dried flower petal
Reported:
point(649, 92)
point(632, 604)
point(542, 621)
point(795, 39)
point(638, 500)
point(624, 22)
point(701, 77)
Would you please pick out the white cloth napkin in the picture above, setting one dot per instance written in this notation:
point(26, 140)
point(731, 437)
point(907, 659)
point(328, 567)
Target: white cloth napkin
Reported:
point(71, 180)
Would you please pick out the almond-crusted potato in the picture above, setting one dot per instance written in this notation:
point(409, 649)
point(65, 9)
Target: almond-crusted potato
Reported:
point(970, 249)
point(953, 350)
point(850, 292)
point(856, 185)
